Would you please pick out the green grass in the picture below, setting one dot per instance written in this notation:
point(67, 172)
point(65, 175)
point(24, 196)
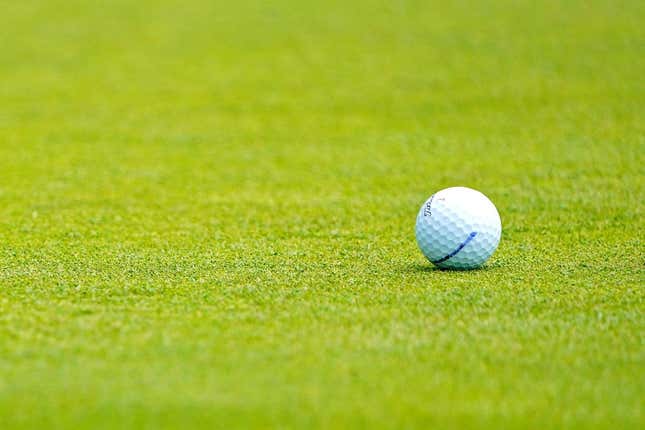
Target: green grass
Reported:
point(207, 214)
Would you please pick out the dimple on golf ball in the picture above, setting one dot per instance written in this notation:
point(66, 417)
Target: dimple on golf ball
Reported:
point(458, 228)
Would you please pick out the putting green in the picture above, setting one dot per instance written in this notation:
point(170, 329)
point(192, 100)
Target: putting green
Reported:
point(207, 214)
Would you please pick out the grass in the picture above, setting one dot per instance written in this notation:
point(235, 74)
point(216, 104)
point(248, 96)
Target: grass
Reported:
point(207, 213)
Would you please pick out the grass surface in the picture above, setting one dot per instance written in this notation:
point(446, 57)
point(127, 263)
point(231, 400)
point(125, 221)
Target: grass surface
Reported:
point(207, 214)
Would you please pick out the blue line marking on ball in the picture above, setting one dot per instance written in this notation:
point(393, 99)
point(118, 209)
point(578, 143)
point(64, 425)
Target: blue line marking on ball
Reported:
point(470, 237)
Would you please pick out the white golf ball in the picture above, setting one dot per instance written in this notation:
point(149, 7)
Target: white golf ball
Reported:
point(458, 228)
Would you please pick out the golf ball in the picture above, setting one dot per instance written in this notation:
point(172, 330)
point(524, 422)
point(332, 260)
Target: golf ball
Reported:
point(458, 228)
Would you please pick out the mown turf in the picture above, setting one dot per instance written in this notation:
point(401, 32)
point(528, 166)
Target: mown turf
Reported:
point(207, 214)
